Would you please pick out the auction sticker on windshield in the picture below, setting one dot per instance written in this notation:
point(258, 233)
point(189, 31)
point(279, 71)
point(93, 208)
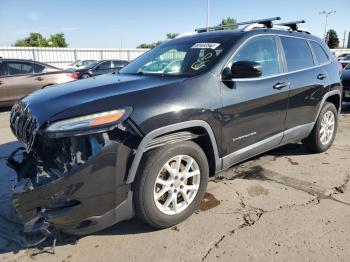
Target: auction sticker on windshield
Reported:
point(206, 45)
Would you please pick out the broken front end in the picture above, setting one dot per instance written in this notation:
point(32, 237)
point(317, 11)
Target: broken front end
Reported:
point(74, 181)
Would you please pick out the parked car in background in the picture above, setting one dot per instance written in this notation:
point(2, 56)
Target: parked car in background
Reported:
point(163, 66)
point(80, 63)
point(340, 57)
point(100, 67)
point(19, 78)
point(345, 60)
point(346, 83)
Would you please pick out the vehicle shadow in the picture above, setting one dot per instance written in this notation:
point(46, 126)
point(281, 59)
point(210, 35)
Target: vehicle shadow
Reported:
point(12, 238)
point(5, 109)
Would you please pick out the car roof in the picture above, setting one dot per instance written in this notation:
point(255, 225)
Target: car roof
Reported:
point(29, 60)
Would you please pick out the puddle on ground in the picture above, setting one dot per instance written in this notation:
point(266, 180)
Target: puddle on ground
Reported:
point(208, 202)
point(257, 190)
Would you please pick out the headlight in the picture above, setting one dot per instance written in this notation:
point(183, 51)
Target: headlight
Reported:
point(92, 121)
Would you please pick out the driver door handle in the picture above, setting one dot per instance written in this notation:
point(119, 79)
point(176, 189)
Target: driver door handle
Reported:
point(321, 76)
point(280, 85)
point(39, 78)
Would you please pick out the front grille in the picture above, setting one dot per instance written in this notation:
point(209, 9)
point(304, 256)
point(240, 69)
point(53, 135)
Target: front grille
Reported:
point(23, 125)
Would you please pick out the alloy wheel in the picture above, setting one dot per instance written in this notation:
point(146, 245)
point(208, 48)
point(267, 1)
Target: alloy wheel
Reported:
point(176, 185)
point(327, 127)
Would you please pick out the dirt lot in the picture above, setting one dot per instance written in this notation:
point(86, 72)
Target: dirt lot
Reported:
point(287, 205)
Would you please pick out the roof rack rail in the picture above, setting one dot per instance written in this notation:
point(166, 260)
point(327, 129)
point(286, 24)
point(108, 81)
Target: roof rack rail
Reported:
point(292, 25)
point(264, 22)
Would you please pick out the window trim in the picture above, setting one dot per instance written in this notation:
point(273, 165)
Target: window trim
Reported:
point(281, 50)
point(315, 56)
point(278, 55)
point(314, 60)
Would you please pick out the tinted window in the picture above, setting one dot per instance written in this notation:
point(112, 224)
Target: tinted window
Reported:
point(3, 69)
point(38, 68)
point(261, 50)
point(298, 53)
point(117, 64)
point(104, 65)
point(19, 68)
point(321, 55)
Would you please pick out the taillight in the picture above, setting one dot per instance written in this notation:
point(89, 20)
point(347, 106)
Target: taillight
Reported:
point(73, 75)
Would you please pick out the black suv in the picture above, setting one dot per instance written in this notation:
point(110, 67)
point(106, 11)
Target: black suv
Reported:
point(99, 150)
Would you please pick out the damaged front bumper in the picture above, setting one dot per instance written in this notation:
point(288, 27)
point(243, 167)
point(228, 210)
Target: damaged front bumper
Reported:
point(77, 185)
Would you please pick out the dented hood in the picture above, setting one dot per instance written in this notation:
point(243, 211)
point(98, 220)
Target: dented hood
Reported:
point(91, 95)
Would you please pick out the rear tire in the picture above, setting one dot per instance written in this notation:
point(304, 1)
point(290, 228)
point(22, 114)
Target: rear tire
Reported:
point(324, 131)
point(162, 178)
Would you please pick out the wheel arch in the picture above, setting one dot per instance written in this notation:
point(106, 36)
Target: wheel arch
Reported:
point(334, 97)
point(197, 130)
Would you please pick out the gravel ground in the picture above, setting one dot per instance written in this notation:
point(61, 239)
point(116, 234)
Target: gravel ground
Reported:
point(286, 205)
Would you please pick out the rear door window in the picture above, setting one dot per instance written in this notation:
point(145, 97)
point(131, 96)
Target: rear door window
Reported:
point(38, 68)
point(3, 68)
point(19, 68)
point(262, 50)
point(104, 65)
point(320, 54)
point(298, 53)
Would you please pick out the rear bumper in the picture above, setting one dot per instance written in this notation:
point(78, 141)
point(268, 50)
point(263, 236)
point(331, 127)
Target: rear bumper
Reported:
point(89, 198)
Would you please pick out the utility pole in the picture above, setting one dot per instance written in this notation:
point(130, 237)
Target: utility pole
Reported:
point(207, 23)
point(326, 13)
point(344, 38)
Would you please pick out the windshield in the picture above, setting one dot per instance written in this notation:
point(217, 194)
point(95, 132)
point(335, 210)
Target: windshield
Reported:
point(181, 57)
point(75, 63)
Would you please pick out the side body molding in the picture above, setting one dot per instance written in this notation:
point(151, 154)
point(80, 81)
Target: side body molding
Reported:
point(167, 129)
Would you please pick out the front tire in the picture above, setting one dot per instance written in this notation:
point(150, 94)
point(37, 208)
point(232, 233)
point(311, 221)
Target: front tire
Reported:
point(85, 76)
point(170, 184)
point(323, 134)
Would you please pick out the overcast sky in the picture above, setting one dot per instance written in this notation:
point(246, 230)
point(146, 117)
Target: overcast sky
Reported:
point(116, 23)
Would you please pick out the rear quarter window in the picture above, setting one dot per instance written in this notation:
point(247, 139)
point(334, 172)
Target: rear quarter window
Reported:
point(320, 54)
point(297, 52)
point(38, 68)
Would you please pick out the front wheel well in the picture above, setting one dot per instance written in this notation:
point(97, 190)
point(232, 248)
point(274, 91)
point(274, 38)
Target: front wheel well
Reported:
point(201, 137)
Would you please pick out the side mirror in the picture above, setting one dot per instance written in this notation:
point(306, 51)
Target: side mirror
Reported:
point(242, 69)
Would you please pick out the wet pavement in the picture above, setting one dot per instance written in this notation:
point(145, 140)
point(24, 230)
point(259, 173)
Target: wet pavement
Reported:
point(286, 205)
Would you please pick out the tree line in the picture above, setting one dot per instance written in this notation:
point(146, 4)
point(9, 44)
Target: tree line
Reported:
point(59, 40)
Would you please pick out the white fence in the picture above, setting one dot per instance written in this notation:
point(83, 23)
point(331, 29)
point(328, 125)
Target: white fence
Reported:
point(60, 57)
